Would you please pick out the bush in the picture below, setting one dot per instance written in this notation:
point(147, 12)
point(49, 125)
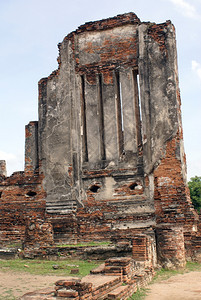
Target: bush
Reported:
point(195, 191)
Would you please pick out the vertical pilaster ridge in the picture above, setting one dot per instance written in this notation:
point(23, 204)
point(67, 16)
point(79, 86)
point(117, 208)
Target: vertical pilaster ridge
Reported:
point(83, 121)
point(144, 75)
point(137, 105)
point(118, 98)
point(101, 117)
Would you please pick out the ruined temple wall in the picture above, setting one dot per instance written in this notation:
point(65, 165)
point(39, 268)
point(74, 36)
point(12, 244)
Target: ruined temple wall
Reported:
point(111, 165)
point(21, 197)
point(80, 129)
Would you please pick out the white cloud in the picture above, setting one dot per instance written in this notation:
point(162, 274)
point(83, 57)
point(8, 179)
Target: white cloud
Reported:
point(7, 156)
point(188, 10)
point(196, 67)
point(194, 166)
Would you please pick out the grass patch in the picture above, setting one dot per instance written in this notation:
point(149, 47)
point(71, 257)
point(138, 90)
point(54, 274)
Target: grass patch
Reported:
point(164, 274)
point(7, 295)
point(90, 244)
point(44, 267)
point(140, 294)
point(193, 266)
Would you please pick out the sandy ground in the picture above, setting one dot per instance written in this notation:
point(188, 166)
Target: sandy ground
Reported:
point(179, 287)
point(17, 284)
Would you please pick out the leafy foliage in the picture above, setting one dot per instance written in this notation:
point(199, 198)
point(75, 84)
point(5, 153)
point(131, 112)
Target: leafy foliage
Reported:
point(195, 191)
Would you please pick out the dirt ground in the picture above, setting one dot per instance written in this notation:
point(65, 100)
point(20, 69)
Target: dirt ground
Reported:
point(179, 287)
point(17, 284)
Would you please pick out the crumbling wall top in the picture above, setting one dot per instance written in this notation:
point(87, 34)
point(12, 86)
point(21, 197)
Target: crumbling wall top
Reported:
point(119, 20)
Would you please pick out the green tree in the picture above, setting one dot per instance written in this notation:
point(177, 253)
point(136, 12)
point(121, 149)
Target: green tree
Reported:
point(195, 191)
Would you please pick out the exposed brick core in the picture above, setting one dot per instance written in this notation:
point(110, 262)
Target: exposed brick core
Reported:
point(140, 248)
point(170, 241)
point(17, 204)
point(38, 233)
point(158, 33)
point(172, 198)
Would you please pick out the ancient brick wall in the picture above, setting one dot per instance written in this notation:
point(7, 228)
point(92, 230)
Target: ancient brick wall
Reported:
point(21, 197)
point(172, 199)
point(105, 160)
point(170, 246)
point(38, 233)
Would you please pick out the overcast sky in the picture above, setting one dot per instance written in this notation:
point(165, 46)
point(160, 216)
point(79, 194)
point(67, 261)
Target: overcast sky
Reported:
point(29, 33)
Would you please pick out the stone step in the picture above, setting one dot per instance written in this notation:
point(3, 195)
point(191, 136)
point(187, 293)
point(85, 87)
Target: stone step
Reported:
point(100, 269)
point(61, 211)
point(136, 200)
point(58, 204)
point(68, 294)
point(43, 294)
point(102, 285)
point(63, 208)
point(121, 293)
point(52, 201)
point(55, 205)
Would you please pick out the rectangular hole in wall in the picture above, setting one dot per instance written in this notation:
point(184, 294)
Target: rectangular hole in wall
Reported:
point(101, 118)
point(137, 104)
point(83, 120)
point(119, 105)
